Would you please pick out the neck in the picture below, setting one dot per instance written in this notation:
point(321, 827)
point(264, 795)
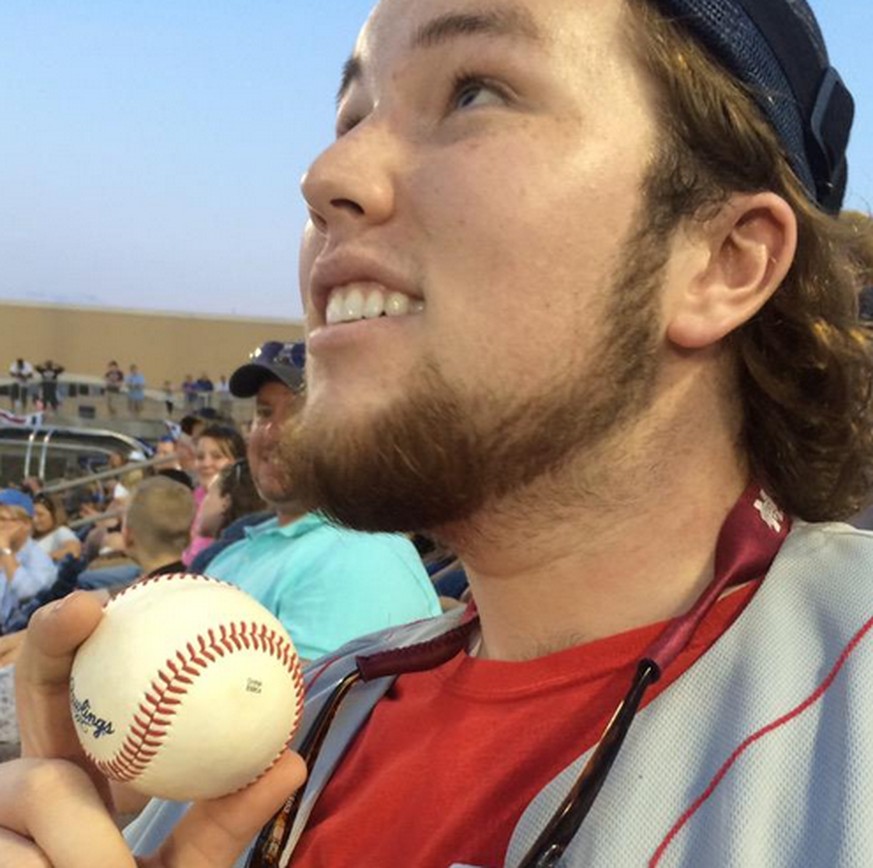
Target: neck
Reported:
point(286, 514)
point(627, 547)
point(155, 562)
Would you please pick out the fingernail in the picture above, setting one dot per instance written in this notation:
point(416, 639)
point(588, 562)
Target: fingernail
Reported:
point(57, 605)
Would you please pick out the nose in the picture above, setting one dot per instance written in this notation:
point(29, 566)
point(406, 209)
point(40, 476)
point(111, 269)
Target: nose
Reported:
point(350, 183)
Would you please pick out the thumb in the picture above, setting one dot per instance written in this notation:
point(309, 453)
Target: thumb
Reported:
point(214, 833)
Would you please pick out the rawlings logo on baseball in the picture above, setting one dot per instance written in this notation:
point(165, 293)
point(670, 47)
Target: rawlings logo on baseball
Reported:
point(85, 718)
point(187, 689)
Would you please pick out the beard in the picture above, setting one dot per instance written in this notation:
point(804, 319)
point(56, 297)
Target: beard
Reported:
point(437, 457)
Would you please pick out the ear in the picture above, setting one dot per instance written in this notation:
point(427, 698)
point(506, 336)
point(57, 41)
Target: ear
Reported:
point(744, 253)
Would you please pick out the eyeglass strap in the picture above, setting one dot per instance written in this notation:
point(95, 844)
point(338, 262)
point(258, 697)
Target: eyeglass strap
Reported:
point(565, 822)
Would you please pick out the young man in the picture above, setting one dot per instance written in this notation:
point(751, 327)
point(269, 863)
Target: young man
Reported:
point(49, 373)
point(326, 584)
point(620, 352)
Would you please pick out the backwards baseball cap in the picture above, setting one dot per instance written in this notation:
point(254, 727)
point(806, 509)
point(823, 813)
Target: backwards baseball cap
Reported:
point(273, 360)
point(14, 497)
point(775, 47)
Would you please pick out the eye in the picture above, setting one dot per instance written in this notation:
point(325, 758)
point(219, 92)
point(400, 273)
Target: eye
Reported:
point(470, 91)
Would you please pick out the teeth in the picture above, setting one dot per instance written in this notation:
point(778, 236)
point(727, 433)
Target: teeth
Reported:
point(334, 312)
point(353, 303)
point(375, 305)
point(398, 304)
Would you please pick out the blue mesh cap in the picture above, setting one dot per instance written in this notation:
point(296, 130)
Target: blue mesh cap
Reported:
point(273, 360)
point(776, 49)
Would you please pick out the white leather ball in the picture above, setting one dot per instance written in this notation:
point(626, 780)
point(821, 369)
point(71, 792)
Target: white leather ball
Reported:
point(188, 688)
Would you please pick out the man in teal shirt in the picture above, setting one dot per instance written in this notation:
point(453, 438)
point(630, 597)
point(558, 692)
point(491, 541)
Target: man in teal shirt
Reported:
point(325, 583)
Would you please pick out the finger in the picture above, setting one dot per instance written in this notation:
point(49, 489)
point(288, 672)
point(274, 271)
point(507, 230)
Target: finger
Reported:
point(214, 833)
point(20, 852)
point(43, 671)
point(56, 805)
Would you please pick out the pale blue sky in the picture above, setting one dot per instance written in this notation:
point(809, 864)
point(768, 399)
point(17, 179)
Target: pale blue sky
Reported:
point(150, 150)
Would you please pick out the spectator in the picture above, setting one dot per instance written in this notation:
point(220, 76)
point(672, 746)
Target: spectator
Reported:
point(225, 399)
point(49, 372)
point(622, 352)
point(165, 449)
point(157, 525)
point(233, 496)
point(21, 372)
point(25, 569)
point(169, 398)
point(113, 380)
point(135, 391)
point(326, 584)
point(216, 446)
point(189, 393)
point(50, 529)
point(205, 388)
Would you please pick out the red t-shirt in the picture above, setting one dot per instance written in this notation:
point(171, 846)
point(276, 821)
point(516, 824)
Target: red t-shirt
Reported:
point(451, 757)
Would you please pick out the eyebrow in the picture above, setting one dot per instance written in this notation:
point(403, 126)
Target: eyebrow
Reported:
point(512, 21)
point(351, 73)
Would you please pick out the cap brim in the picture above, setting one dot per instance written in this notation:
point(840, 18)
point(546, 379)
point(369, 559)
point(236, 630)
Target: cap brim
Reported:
point(246, 380)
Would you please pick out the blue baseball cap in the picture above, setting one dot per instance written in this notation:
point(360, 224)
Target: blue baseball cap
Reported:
point(273, 360)
point(14, 497)
point(776, 49)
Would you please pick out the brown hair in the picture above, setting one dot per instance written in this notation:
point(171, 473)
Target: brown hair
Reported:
point(805, 365)
point(235, 483)
point(159, 516)
point(55, 508)
point(228, 438)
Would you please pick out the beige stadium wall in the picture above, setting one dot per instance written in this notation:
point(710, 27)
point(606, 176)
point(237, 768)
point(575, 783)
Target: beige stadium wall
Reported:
point(165, 346)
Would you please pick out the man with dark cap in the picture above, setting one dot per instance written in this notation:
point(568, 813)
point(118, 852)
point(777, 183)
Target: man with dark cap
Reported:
point(327, 584)
point(578, 302)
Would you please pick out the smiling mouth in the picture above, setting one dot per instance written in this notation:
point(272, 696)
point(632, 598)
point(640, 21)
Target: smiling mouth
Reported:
point(358, 301)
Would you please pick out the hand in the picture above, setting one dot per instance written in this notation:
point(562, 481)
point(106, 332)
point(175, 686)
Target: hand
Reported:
point(42, 679)
point(8, 530)
point(70, 798)
point(53, 817)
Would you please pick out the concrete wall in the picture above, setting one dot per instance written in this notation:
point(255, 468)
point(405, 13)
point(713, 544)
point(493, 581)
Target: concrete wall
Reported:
point(165, 346)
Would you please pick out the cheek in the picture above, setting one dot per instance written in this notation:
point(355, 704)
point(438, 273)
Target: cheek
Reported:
point(533, 251)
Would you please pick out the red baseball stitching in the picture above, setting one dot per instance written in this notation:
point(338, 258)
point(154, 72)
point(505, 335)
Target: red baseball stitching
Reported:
point(153, 719)
point(168, 577)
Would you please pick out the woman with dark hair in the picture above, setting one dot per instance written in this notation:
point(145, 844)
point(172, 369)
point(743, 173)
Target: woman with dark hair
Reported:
point(216, 447)
point(50, 529)
point(231, 504)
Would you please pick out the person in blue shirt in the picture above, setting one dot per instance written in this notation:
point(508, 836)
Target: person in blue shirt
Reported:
point(327, 584)
point(25, 569)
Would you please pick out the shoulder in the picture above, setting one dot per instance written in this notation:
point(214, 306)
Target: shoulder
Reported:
point(365, 549)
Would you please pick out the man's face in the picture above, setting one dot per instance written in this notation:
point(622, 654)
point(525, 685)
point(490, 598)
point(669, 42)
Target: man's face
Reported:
point(484, 183)
point(273, 407)
point(14, 527)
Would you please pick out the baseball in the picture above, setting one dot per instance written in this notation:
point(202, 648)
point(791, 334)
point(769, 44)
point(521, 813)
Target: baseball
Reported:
point(188, 688)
